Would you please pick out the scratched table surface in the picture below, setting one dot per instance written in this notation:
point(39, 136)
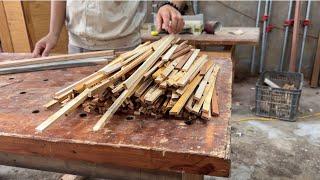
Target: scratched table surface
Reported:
point(143, 142)
point(226, 36)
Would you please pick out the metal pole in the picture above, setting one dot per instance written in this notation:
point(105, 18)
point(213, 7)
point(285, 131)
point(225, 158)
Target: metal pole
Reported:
point(269, 18)
point(285, 39)
point(263, 43)
point(305, 29)
point(253, 56)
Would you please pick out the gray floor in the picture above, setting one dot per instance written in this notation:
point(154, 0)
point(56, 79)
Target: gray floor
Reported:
point(259, 149)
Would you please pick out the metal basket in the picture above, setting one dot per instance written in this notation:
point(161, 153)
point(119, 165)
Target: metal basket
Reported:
point(278, 103)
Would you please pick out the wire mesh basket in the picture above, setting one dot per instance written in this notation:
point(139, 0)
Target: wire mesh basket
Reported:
point(281, 103)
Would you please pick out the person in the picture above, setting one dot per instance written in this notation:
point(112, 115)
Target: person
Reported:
point(102, 25)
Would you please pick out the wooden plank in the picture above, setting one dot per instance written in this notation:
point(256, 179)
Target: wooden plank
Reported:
point(203, 83)
point(153, 69)
point(182, 52)
point(316, 67)
point(143, 87)
point(190, 60)
point(56, 58)
point(73, 104)
point(185, 96)
point(207, 102)
point(183, 59)
point(5, 37)
point(132, 65)
point(295, 37)
point(194, 69)
point(214, 104)
point(169, 53)
point(17, 26)
point(205, 68)
point(51, 103)
point(148, 63)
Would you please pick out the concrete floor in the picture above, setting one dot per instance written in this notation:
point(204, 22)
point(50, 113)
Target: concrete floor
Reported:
point(259, 149)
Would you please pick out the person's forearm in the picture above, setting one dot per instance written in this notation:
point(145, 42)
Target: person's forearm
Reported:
point(57, 18)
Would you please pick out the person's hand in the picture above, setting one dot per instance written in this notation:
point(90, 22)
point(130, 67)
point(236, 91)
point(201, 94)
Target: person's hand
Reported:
point(169, 19)
point(44, 45)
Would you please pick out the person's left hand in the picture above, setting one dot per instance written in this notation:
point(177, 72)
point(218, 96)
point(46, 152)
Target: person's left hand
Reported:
point(169, 19)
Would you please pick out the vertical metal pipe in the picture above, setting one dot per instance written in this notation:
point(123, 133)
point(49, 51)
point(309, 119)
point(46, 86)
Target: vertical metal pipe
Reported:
point(305, 29)
point(253, 55)
point(195, 5)
point(269, 19)
point(285, 39)
point(263, 43)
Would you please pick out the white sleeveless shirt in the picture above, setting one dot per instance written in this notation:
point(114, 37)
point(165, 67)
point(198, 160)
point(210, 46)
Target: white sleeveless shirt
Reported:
point(98, 25)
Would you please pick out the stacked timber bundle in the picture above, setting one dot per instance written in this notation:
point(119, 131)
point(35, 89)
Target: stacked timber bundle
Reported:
point(162, 78)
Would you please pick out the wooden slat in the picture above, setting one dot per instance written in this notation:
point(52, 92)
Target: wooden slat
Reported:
point(207, 102)
point(49, 59)
point(295, 37)
point(73, 104)
point(17, 26)
point(190, 60)
point(176, 109)
point(148, 63)
point(202, 85)
point(316, 67)
point(5, 37)
point(215, 104)
point(169, 53)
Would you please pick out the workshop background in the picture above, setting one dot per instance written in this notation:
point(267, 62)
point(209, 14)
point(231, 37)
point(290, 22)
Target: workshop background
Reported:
point(35, 22)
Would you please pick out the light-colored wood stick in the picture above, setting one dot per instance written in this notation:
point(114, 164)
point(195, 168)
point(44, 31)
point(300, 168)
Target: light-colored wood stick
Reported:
point(194, 69)
point(182, 52)
point(65, 57)
point(185, 96)
point(203, 84)
point(112, 109)
point(50, 103)
point(183, 59)
point(153, 69)
point(143, 87)
point(169, 53)
point(70, 106)
point(207, 102)
point(148, 63)
point(193, 57)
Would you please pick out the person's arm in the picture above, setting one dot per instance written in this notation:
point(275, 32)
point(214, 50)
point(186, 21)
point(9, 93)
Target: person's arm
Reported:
point(169, 18)
point(57, 18)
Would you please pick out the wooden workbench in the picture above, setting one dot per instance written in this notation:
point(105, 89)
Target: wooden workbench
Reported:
point(227, 36)
point(142, 148)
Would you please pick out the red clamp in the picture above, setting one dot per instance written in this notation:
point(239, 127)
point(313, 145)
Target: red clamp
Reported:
point(288, 22)
point(269, 28)
point(265, 17)
point(306, 22)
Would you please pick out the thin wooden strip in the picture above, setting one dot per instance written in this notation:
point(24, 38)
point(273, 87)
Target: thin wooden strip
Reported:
point(143, 87)
point(71, 105)
point(203, 84)
point(50, 103)
point(205, 68)
point(214, 104)
point(154, 95)
point(207, 101)
point(183, 60)
point(194, 69)
point(132, 65)
point(190, 60)
point(182, 52)
point(153, 69)
point(148, 63)
point(169, 53)
point(56, 58)
point(316, 67)
point(185, 96)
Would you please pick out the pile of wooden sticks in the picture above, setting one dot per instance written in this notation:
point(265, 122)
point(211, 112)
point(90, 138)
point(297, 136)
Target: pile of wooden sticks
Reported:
point(159, 78)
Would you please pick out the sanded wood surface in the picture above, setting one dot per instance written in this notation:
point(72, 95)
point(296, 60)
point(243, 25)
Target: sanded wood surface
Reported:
point(143, 142)
point(226, 36)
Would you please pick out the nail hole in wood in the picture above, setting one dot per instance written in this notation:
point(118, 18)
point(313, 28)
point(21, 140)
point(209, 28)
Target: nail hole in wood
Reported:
point(35, 111)
point(83, 114)
point(23, 92)
point(46, 80)
point(130, 118)
point(11, 78)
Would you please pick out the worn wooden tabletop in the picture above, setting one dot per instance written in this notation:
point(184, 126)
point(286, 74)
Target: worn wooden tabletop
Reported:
point(144, 142)
point(227, 36)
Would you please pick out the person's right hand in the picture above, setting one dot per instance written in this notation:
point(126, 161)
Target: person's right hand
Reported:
point(44, 45)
